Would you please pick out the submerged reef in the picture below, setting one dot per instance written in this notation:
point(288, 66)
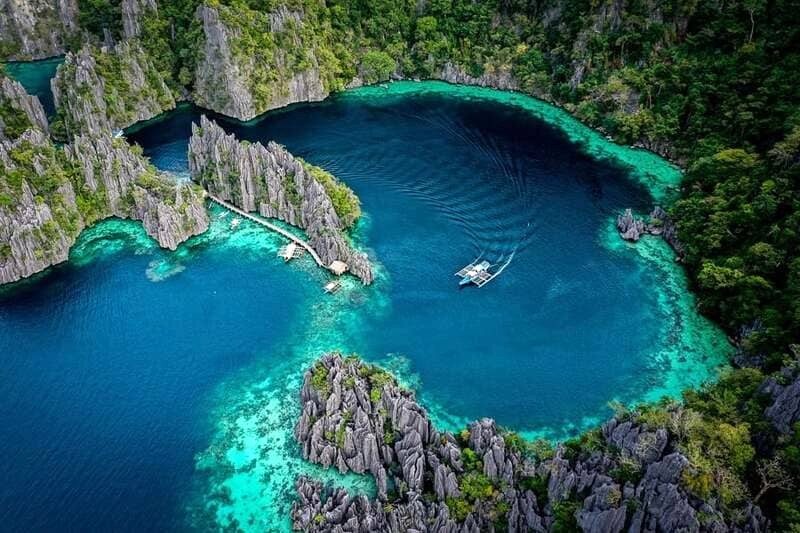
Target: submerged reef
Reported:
point(631, 474)
point(270, 180)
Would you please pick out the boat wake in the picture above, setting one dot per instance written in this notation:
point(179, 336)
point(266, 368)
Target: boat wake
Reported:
point(490, 193)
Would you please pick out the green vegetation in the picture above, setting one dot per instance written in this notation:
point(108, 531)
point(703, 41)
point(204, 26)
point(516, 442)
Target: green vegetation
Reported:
point(319, 379)
point(564, 517)
point(377, 66)
point(345, 202)
point(95, 16)
point(14, 121)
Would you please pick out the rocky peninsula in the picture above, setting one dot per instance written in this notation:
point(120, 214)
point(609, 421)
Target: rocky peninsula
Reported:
point(50, 193)
point(268, 179)
point(631, 474)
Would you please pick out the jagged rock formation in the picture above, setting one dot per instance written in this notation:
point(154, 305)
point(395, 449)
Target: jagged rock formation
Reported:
point(132, 12)
point(36, 29)
point(631, 228)
point(20, 110)
point(48, 195)
point(241, 82)
point(271, 181)
point(499, 79)
point(785, 392)
point(101, 90)
point(357, 418)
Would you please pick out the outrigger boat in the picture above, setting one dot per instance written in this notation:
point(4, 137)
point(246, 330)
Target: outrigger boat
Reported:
point(290, 251)
point(332, 286)
point(476, 273)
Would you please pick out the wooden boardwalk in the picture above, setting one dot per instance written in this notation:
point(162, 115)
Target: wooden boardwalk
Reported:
point(273, 227)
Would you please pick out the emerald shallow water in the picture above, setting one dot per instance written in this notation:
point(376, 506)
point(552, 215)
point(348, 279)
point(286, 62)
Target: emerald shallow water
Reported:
point(173, 377)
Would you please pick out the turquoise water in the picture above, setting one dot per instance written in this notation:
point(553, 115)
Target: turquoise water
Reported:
point(35, 76)
point(152, 390)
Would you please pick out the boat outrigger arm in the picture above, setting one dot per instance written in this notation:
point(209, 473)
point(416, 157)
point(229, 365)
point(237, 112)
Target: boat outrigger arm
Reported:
point(479, 272)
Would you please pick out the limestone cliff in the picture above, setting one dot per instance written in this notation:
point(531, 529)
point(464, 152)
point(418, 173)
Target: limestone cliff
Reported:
point(255, 62)
point(101, 90)
point(19, 111)
point(36, 29)
point(49, 194)
point(132, 13)
point(268, 179)
point(357, 418)
point(784, 389)
point(502, 79)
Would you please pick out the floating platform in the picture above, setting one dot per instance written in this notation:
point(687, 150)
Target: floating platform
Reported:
point(332, 286)
point(476, 273)
point(291, 251)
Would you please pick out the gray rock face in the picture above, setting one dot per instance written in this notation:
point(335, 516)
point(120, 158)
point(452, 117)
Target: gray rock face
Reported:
point(269, 180)
point(94, 177)
point(13, 93)
point(30, 238)
point(785, 409)
point(219, 83)
point(92, 105)
point(502, 79)
point(132, 10)
point(170, 211)
point(226, 81)
point(348, 407)
point(36, 29)
point(631, 228)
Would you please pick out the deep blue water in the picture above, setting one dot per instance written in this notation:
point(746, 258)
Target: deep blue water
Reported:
point(443, 184)
point(113, 363)
point(107, 377)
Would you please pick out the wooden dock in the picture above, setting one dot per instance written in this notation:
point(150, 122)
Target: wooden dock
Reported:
point(277, 229)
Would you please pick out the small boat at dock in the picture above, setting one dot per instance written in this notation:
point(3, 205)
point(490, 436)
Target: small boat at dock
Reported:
point(332, 286)
point(290, 251)
point(235, 222)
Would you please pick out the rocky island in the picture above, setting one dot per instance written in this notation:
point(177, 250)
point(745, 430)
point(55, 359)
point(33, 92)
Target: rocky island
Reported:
point(268, 179)
point(631, 474)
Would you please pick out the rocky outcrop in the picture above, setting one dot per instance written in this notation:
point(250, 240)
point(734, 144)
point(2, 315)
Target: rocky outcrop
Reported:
point(20, 110)
point(269, 180)
point(357, 418)
point(171, 211)
point(502, 79)
point(784, 389)
point(239, 82)
point(49, 194)
point(36, 29)
point(631, 228)
point(31, 237)
point(101, 90)
point(132, 11)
